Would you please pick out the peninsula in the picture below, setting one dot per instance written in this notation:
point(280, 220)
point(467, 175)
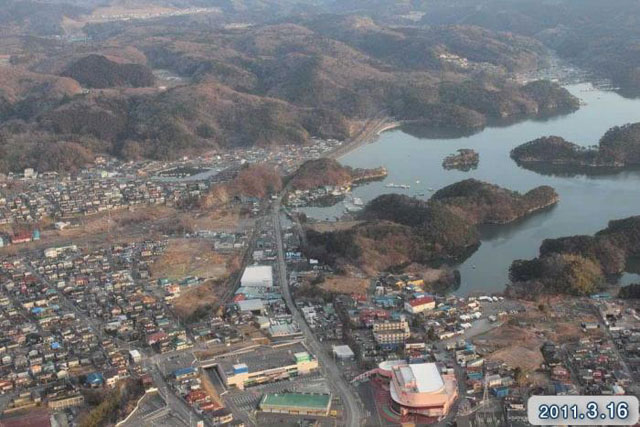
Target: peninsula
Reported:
point(618, 148)
point(394, 229)
point(578, 264)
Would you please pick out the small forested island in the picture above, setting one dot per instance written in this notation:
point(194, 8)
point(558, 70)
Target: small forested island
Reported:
point(396, 229)
point(618, 148)
point(578, 265)
point(465, 160)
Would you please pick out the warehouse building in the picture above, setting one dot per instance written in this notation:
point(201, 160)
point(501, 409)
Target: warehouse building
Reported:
point(265, 364)
point(257, 276)
point(296, 403)
point(253, 306)
point(343, 352)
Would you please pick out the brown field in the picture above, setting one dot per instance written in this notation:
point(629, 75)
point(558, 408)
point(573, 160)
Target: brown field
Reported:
point(345, 285)
point(519, 356)
point(206, 294)
point(223, 219)
point(324, 227)
point(517, 347)
point(192, 257)
point(124, 225)
point(559, 322)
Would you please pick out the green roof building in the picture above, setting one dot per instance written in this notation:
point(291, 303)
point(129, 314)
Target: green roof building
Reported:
point(296, 403)
point(302, 356)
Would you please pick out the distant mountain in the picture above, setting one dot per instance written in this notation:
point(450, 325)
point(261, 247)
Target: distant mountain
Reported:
point(266, 84)
point(38, 18)
point(599, 36)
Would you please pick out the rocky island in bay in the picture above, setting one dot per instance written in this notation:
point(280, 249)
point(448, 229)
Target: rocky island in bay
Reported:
point(464, 159)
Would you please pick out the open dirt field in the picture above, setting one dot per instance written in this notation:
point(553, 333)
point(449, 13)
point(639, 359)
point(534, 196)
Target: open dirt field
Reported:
point(324, 227)
point(124, 225)
point(557, 319)
point(192, 257)
point(513, 345)
point(191, 300)
point(224, 219)
point(345, 285)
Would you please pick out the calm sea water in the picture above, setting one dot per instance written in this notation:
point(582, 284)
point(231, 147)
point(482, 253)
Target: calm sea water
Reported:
point(586, 204)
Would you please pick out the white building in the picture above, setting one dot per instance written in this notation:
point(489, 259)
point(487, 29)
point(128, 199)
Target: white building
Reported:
point(257, 276)
point(255, 306)
point(343, 352)
point(135, 355)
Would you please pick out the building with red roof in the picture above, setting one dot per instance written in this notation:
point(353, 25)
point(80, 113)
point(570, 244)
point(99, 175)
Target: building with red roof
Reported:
point(419, 305)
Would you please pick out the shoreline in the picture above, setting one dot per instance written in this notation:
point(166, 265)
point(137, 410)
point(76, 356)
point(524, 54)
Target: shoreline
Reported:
point(369, 133)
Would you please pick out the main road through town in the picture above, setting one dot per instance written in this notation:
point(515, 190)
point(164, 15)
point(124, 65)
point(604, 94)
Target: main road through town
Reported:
point(352, 408)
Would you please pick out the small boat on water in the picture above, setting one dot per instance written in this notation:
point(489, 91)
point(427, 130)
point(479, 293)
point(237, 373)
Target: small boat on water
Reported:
point(431, 189)
point(403, 186)
point(357, 201)
point(349, 208)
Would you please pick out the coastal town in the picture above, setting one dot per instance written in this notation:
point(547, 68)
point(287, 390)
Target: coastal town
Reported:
point(319, 213)
point(234, 324)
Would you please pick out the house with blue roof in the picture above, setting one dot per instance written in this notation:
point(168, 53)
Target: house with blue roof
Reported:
point(185, 373)
point(94, 379)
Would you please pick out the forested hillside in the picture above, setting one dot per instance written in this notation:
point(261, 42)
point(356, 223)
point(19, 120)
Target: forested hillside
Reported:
point(301, 75)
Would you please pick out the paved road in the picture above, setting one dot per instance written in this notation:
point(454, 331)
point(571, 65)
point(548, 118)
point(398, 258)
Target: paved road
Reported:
point(177, 405)
point(354, 414)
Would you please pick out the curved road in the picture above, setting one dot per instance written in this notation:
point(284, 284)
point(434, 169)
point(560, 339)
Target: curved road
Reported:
point(352, 408)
